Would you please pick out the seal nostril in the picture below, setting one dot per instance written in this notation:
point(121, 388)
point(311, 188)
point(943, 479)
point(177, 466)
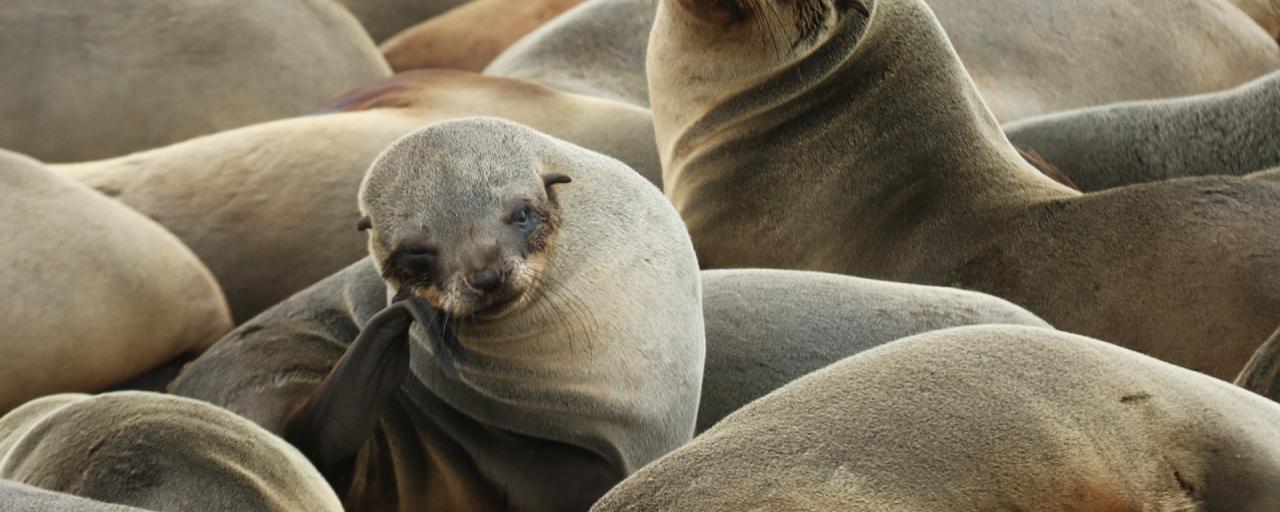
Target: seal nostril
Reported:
point(487, 280)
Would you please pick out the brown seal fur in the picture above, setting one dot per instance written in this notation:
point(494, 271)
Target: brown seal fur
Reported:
point(94, 293)
point(385, 18)
point(470, 36)
point(254, 203)
point(589, 370)
point(84, 81)
point(1265, 12)
point(1262, 373)
point(979, 419)
point(865, 149)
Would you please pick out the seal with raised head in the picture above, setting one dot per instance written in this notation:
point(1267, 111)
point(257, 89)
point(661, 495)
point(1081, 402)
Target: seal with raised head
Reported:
point(784, 145)
point(95, 293)
point(254, 202)
point(768, 327)
point(469, 36)
point(86, 81)
point(1231, 132)
point(975, 419)
point(155, 452)
point(559, 339)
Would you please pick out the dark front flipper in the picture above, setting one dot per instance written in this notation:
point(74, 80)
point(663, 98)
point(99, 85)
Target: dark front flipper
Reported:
point(331, 426)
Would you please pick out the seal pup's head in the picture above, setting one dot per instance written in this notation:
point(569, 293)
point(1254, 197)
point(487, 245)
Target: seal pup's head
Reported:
point(461, 226)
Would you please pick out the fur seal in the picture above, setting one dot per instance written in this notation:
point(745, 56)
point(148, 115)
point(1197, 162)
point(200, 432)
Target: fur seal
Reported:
point(94, 293)
point(1262, 373)
point(254, 202)
point(385, 18)
point(596, 49)
point(1014, 50)
point(85, 82)
point(1265, 12)
point(561, 345)
point(470, 36)
point(157, 452)
point(799, 157)
point(18, 497)
point(980, 418)
point(757, 342)
point(1230, 133)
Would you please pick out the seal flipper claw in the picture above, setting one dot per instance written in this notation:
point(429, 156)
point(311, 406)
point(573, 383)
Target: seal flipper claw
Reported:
point(444, 342)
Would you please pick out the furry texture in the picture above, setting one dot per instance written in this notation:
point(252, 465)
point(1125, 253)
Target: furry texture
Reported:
point(595, 49)
point(1231, 132)
point(980, 418)
point(600, 372)
point(94, 293)
point(385, 18)
point(812, 166)
point(85, 82)
point(766, 328)
point(256, 203)
point(156, 452)
point(1265, 12)
point(470, 36)
point(1262, 374)
point(17, 497)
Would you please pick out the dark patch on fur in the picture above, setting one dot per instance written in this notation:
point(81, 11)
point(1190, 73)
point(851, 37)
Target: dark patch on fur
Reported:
point(1046, 168)
point(1187, 486)
point(1135, 397)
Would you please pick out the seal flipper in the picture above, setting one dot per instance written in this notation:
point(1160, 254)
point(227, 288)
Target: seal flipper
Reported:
point(444, 343)
point(339, 417)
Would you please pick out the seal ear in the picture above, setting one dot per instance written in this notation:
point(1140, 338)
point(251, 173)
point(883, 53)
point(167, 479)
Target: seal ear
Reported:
point(554, 178)
point(364, 223)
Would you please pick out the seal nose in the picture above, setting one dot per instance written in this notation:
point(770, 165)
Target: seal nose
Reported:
point(486, 280)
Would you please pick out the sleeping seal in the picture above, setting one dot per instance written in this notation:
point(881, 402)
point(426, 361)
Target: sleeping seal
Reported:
point(975, 419)
point(787, 148)
point(253, 203)
point(94, 293)
point(156, 452)
point(470, 36)
point(560, 339)
point(86, 81)
point(384, 18)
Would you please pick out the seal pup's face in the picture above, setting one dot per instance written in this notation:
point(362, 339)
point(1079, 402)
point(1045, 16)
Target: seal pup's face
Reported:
point(469, 234)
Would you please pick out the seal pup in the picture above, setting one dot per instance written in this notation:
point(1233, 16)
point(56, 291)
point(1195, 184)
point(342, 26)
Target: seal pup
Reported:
point(95, 293)
point(757, 341)
point(1262, 373)
point(158, 452)
point(980, 418)
point(18, 497)
point(385, 18)
point(1265, 12)
point(84, 82)
point(596, 49)
point(455, 41)
point(1231, 132)
point(563, 346)
point(255, 202)
point(1014, 49)
point(797, 156)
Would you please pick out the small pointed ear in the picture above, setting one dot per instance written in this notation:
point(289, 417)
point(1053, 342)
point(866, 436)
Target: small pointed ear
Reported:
point(364, 223)
point(554, 178)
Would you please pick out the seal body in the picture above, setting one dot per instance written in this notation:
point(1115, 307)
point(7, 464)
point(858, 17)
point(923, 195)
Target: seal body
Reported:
point(758, 342)
point(470, 36)
point(596, 49)
point(1231, 132)
point(385, 18)
point(18, 497)
point(807, 165)
point(95, 293)
point(584, 380)
point(1265, 12)
point(254, 202)
point(156, 452)
point(980, 418)
point(86, 82)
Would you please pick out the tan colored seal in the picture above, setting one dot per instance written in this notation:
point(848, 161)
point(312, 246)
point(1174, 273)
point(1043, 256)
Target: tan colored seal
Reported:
point(975, 419)
point(1231, 132)
point(857, 144)
point(156, 452)
point(384, 18)
point(470, 36)
point(83, 81)
point(1265, 12)
point(766, 327)
point(94, 294)
point(560, 344)
point(254, 203)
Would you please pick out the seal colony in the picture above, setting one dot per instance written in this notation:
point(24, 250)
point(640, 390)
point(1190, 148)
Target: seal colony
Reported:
point(94, 293)
point(785, 147)
point(565, 340)
point(255, 202)
point(83, 81)
point(980, 418)
point(1231, 132)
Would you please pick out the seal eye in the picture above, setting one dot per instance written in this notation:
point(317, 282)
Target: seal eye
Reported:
point(525, 219)
point(416, 262)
